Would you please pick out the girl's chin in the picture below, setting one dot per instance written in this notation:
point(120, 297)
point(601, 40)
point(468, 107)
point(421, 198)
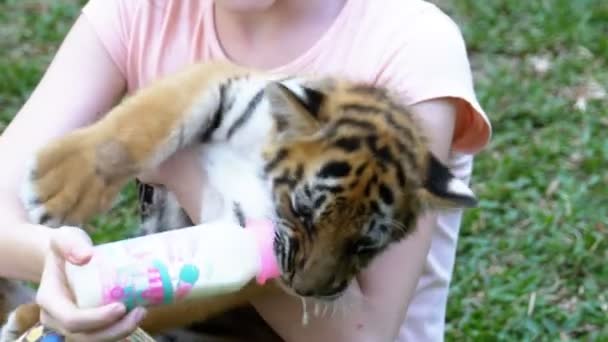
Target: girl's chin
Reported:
point(245, 5)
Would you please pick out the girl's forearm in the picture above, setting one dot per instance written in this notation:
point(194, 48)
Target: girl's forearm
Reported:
point(353, 318)
point(22, 245)
point(184, 177)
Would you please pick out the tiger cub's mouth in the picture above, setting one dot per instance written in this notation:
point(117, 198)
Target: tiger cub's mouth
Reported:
point(321, 283)
point(320, 296)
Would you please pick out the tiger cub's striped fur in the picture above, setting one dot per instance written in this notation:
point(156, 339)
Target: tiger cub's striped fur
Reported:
point(341, 168)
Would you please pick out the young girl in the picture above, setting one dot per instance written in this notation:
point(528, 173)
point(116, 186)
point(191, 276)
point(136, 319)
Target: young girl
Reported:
point(118, 46)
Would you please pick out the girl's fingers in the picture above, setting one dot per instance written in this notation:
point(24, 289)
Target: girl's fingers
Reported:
point(74, 320)
point(114, 332)
point(117, 331)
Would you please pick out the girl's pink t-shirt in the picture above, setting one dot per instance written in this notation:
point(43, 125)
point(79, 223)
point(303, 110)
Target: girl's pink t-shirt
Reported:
point(408, 45)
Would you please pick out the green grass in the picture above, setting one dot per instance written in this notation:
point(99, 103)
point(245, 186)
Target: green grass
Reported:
point(532, 262)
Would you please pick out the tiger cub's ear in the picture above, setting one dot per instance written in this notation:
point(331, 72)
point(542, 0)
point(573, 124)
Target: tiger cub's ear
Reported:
point(441, 190)
point(295, 109)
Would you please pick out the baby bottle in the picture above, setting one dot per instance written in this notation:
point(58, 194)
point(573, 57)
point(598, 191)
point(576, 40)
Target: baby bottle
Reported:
point(204, 260)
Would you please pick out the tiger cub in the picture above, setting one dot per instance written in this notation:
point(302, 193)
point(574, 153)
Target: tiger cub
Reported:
point(340, 167)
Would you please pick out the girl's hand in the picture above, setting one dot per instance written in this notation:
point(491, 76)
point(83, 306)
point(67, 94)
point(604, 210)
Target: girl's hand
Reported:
point(58, 310)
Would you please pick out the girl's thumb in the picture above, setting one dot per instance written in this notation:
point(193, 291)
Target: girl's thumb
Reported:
point(72, 244)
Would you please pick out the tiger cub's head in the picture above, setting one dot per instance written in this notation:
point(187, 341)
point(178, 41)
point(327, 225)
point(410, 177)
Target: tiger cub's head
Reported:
point(350, 173)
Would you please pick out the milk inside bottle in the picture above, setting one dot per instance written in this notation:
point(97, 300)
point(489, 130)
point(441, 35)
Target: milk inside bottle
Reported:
point(204, 260)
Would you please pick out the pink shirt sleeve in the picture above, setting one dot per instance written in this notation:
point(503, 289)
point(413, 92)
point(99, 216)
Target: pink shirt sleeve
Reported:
point(432, 62)
point(111, 21)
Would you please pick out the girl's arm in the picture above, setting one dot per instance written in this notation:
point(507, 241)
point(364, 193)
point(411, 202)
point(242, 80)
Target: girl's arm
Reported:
point(375, 306)
point(81, 82)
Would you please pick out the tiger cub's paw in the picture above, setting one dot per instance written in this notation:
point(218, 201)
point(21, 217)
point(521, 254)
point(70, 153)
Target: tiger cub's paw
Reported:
point(72, 179)
point(19, 321)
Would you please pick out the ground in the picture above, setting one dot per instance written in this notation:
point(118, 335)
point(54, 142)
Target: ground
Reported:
point(532, 261)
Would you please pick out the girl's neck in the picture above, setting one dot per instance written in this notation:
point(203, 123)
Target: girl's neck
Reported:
point(275, 35)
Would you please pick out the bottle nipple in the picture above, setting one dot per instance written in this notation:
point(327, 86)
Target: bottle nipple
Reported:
point(263, 230)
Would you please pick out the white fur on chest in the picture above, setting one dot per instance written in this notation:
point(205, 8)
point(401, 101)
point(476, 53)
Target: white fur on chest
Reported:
point(233, 176)
point(233, 164)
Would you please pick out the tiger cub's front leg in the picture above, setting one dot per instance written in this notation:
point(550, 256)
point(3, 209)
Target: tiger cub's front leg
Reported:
point(78, 175)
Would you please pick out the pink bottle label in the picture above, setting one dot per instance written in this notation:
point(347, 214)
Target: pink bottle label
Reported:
point(149, 273)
